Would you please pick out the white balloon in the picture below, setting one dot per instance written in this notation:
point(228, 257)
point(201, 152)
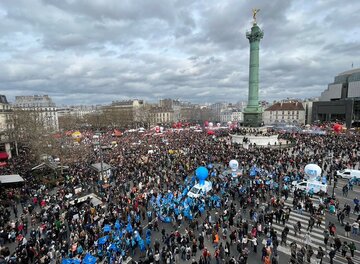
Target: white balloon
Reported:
point(211, 124)
point(234, 165)
point(312, 171)
point(218, 124)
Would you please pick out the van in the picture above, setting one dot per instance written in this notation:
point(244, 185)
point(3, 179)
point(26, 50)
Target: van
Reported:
point(311, 185)
point(199, 190)
point(348, 174)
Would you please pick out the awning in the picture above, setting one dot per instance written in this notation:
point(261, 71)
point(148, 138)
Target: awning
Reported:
point(4, 155)
point(97, 166)
point(11, 179)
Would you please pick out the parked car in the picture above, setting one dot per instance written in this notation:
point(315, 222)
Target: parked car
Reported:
point(349, 174)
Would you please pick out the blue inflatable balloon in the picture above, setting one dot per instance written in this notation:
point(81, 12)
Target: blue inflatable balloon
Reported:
point(202, 173)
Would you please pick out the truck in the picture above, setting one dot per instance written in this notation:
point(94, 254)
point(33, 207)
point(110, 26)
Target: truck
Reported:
point(315, 186)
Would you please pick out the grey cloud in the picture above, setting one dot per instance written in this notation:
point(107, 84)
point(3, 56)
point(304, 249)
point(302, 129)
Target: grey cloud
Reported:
point(98, 51)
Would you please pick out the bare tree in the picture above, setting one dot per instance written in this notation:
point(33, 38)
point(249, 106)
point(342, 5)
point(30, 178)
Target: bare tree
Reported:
point(29, 129)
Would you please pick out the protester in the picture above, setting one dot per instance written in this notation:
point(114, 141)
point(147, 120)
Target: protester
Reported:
point(147, 195)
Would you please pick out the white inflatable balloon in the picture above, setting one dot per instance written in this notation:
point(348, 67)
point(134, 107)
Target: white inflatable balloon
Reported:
point(234, 165)
point(312, 171)
point(218, 124)
point(211, 124)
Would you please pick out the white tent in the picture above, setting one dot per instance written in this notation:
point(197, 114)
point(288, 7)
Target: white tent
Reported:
point(7, 179)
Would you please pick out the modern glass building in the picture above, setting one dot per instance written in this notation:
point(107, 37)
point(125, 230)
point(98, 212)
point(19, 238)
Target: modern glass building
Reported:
point(341, 100)
point(345, 85)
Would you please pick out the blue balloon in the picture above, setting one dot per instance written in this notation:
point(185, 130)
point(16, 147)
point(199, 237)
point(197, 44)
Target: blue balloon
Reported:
point(202, 173)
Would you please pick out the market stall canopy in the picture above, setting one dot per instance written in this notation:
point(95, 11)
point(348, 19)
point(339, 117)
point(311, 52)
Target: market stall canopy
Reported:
point(8, 179)
point(94, 199)
point(97, 166)
point(51, 165)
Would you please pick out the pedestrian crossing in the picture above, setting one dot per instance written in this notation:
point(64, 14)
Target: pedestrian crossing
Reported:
point(315, 238)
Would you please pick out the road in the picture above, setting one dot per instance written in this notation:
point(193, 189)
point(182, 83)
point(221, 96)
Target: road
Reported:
point(284, 251)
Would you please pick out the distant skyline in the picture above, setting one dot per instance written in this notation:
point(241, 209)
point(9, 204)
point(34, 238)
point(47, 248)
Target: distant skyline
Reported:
point(94, 52)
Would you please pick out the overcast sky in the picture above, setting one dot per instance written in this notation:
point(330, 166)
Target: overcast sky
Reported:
point(97, 51)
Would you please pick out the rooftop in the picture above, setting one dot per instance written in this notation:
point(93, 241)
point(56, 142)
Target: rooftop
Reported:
point(286, 106)
point(3, 99)
point(349, 72)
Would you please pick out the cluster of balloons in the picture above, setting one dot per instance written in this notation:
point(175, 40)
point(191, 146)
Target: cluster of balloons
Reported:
point(159, 129)
point(312, 171)
point(337, 128)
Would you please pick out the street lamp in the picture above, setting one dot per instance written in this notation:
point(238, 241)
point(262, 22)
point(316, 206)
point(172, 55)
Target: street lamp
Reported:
point(98, 133)
point(334, 186)
point(279, 186)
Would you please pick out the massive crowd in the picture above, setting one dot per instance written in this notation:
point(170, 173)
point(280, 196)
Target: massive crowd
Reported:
point(42, 224)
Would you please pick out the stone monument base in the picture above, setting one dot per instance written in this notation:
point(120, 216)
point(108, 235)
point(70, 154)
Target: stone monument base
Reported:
point(253, 118)
point(251, 137)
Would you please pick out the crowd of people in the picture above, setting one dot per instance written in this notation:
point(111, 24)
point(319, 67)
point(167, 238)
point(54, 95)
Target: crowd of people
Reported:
point(150, 172)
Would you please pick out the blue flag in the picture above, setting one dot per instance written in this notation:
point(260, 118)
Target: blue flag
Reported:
point(70, 261)
point(253, 172)
point(117, 225)
point(102, 240)
point(142, 245)
point(89, 259)
point(107, 228)
point(129, 228)
point(112, 247)
point(324, 180)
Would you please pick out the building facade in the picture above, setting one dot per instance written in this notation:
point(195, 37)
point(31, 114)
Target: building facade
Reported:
point(216, 109)
point(126, 113)
point(174, 105)
point(162, 115)
point(5, 115)
point(345, 85)
point(78, 111)
point(42, 108)
point(231, 115)
point(6, 125)
point(308, 105)
point(288, 112)
point(340, 102)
